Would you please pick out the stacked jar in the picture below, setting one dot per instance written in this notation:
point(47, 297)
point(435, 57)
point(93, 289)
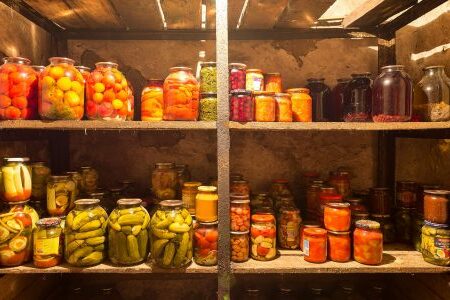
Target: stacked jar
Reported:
point(263, 237)
point(406, 193)
point(236, 76)
point(337, 220)
point(381, 211)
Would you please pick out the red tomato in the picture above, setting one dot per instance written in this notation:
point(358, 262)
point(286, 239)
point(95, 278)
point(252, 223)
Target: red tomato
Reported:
point(5, 101)
point(12, 113)
point(20, 89)
point(96, 76)
point(262, 251)
point(24, 218)
point(17, 77)
point(211, 236)
point(255, 232)
point(20, 102)
point(203, 252)
point(109, 80)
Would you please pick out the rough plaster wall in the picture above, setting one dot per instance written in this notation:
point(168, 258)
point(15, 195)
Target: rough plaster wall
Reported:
point(15, 144)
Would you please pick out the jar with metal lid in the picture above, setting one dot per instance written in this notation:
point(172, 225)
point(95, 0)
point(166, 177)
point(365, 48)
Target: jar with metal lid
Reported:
point(272, 82)
point(358, 99)
point(301, 104)
point(421, 188)
point(315, 245)
point(368, 243)
point(16, 234)
point(265, 106)
point(39, 175)
point(152, 102)
point(254, 80)
point(283, 107)
point(239, 244)
point(320, 94)
point(241, 106)
point(341, 182)
point(288, 227)
point(337, 216)
point(208, 77)
point(206, 204)
point(387, 227)
point(307, 224)
point(406, 194)
point(239, 213)
point(205, 243)
point(436, 86)
point(436, 206)
point(208, 107)
point(339, 246)
point(404, 223)
point(417, 233)
point(436, 243)
point(164, 181)
point(26, 208)
point(359, 216)
point(236, 75)
point(89, 180)
point(47, 243)
point(338, 98)
point(240, 187)
point(189, 193)
point(15, 179)
point(263, 237)
point(380, 201)
point(60, 195)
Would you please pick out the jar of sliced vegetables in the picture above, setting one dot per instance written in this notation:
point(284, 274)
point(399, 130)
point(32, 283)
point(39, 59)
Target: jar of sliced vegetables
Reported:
point(15, 178)
point(15, 238)
point(263, 237)
point(60, 195)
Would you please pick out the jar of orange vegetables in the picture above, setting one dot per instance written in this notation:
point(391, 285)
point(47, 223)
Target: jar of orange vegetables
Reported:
point(337, 216)
point(272, 82)
point(206, 204)
point(339, 246)
point(315, 245)
point(240, 213)
point(263, 237)
point(301, 104)
point(283, 107)
point(239, 246)
point(152, 102)
point(265, 106)
point(368, 242)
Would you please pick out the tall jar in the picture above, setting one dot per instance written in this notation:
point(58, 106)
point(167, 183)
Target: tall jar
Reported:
point(435, 244)
point(172, 231)
point(283, 107)
point(61, 91)
point(254, 80)
point(127, 235)
point(16, 233)
point(265, 106)
point(302, 106)
point(188, 195)
point(338, 98)
point(368, 243)
point(358, 99)
point(263, 237)
point(239, 245)
point(48, 243)
point(236, 75)
point(205, 244)
point(164, 181)
point(288, 227)
point(206, 203)
point(18, 89)
point(241, 106)
point(272, 82)
point(208, 77)
point(60, 195)
point(181, 95)
point(320, 94)
point(39, 176)
point(380, 201)
point(152, 100)
point(239, 213)
point(15, 178)
point(436, 86)
point(392, 95)
point(89, 180)
point(208, 107)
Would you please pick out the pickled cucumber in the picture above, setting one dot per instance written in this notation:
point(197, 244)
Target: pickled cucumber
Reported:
point(169, 252)
point(133, 247)
point(130, 220)
point(92, 259)
point(158, 247)
point(181, 252)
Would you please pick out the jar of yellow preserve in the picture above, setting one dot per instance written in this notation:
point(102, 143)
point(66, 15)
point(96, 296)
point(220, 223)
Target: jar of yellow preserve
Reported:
point(206, 204)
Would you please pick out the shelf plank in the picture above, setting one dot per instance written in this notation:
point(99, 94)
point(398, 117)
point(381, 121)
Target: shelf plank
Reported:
point(263, 14)
point(182, 14)
point(303, 13)
point(139, 14)
point(58, 12)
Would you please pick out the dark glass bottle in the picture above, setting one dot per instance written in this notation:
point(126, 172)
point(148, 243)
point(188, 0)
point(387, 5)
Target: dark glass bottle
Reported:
point(320, 94)
point(358, 98)
point(336, 107)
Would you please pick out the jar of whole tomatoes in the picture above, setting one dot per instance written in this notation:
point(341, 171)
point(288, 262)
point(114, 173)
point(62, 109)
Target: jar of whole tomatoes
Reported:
point(60, 195)
point(380, 201)
point(241, 106)
point(436, 244)
point(239, 246)
point(368, 243)
point(164, 181)
point(263, 237)
point(283, 107)
point(188, 195)
point(48, 243)
point(337, 216)
point(240, 187)
point(206, 204)
point(272, 82)
point(436, 206)
point(265, 106)
point(387, 227)
point(152, 102)
point(240, 213)
point(205, 244)
point(288, 227)
point(39, 175)
point(339, 246)
point(181, 95)
point(254, 80)
point(315, 245)
point(16, 233)
point(236, 76)
point(16, 179)
point(18, 89)
point(406, 194)
point(307, 224)
point(208, 77)
point(301, 104)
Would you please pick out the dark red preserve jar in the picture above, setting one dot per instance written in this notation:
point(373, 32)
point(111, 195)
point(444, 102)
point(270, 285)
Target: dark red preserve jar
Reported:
point(337, 100)
point(320, 94)
point(358, 98)
point(236, 76)
point(241, 106)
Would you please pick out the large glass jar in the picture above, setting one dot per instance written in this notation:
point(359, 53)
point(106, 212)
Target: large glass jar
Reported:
point(236, 75)
point(387, 227)
point(380, 201)
point(436, 206)
point(172, 231)
point(320, 94)
point(436, 86)
point(188, 195)
point(239, 246)
point(254, 80)
point(358, 99)
point(263, 237)
point(127, 235)
point(406, 194)
point(206, 203)
point(241, 106)
point(315, 245)
point(368, 243)
point(152, 102)
point(288, 227)
point(26, 208)
point(240, 213)
point(404, 223)
point(392, 95)
point(272, 82)
point(89, 180)
point(48, 243)
point(302, 106)
point(181, 95)
point(283, 107)
point(18, 89)
point(60, 195)
point(208, 107)
point(339, 246)
point(205, 244)
point(436, 244)
point(265, 106)
point(208, 77)
point(15, 179)
point(85, 233)
point(61, 91)
point(39, 176)
point(15, 238)
point(337, 216)
point(164, 181)
point(338, 98)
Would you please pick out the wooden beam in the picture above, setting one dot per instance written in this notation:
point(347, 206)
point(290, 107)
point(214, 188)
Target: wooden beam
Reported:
point(182, 14)
point(263, 14)
point(302, 13)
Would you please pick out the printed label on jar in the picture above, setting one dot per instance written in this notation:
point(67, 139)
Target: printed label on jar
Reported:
point(291, 232)
point(442, 247)
point(255, 84)
point(306, 247)
point(48, 246)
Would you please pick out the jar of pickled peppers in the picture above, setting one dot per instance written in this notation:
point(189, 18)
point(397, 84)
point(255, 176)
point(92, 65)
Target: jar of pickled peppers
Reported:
point(315, 245)
point(368, 243)
point(236, 75)
point(272, 82)
point(265, 106)
point(263, 237)
point(283, 107)
point(288, 227)
point(48, 243)
point(241, 106)
point(254, 80)
point(205, 243)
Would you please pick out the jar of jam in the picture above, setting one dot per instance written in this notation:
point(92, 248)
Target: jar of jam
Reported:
point(358, 99)
point(206, 204)
point(320, 94)
point(272, 82)
point(404, 223)
point(283, 107)
point(265, 106)
point(152, 102)
point(339, 246)
point(189, 194)
point(239, 246)
point(315, 245)
point(263, 237)
point(205, 244)
point(254, 80)
point(417, 233)
point(406, 194)
point(301, 104)
point(338, 99)
point(241, 106)
point(47, 243)
point(380, 201)
point(288, 227)
point(240, 187)
point(240, 213)
point(436, 206)
point(436, 244)
point(341, 182)
point(387, 227)
point(337, 216)
point(368, 243)
point(236, 75)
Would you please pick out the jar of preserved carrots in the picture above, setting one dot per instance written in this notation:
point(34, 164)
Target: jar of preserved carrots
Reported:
point(436, 206)
point(152, 102)
point(337, 216)
point(315, 245)
point(272, 82)
point(265, 106)
point(288, 227)
point(240, 213)
point(301, 104)
point(240, 187)
point(283, 107)
point(236, 76)
point(181, 95)
point(241, 106)
point(339, 246)
point(368, 243)
point(263, 237)
point(307, 224)
point(206, 204)
point(239, 246)
point(254, 80)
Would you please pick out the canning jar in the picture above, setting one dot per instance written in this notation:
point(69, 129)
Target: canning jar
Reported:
point(436, 86)
point(265, 106)
point(239, 246)
point(368, 243)
point(392, 94)
point(436, 206)
point(189, 193)
point(240, 187)
point(77, 178)
point(164, 181)
point(320, 94)
point(301, 105)
point(387, 227)
point(358, 99)
point(254, 80)
point(272, 82)
point(417, 233)
point(181, 95)
point(172, 231)
point(183, 175)
point(380, 201)
point(339, 246)
point(278, 188)
point(208, 77)
point(15, 178)
point(89, 180)
point(26, 208)
point(205, 244)
point(307, 224)
point(152, 102)
point(421, 188)
point(406, 194)
point(356, 205)
point(312, 199)
point(208, 107)
point(436, 244)
point(236, 75)
point(16, 233)
point(404, 223)
point(241, 106)
point(359, 216)
point(128, 188)
point(315, 245)
point(39, 176)
point(263, 237)
point(206, 204)
point(60, 195)
point(338, 98)
point(240, 213)
point(47, 243)
point(288, 227)
point(341, 182)
point(337, 216)
point(283, 107)
point(85, 72)
point(18, 89)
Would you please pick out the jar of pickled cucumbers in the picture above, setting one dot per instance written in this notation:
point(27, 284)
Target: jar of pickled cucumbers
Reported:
point(189, 193)
point(89, 180)
point(76, 178)
point(128, 237)
point(152, 101)
point(15, 178)
point(26, 208)
point(15, 238)
point(208, 77)
point(39, 176)
point(172, 232)
point(205, 244)
point(164, 181)
point(436, 243)
point(206, 204)
point(263, 237)
point(47, 243)
point(60, 195)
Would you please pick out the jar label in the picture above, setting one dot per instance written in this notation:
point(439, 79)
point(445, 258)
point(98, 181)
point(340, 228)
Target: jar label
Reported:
point(442, 247)
point(291, 232)
point(306, 247)
point(48, 246)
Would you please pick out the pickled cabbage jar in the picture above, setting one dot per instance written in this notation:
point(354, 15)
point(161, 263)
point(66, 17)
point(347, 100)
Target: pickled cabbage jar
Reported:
point(208, 107)
point(127, 235)
point(272, 82)
point(236, 75)
point(254, 80)
point(89, 180)
point(15, 238)
point(283, 107)
point(339, 246)
point(39, 176)
point(240, 213)
point(164, 181)
point(61, 91)
point(172, 232)
point(337, 216)
point(208, 77)
point(315, 245)
point(48, 243)
point(241, 106)
point(152, 100)
point(288, 227)
point(205, 244)
point(265, 106)
point(239, 246)
point(18, 89)
point(206, 204)
point(358, 99)
point(436, 244)
point(60, 195)
point(188, 195)
point(15, 179)
point(181, 95)
point(368, 243)
point(263, 237)
point(26, 208)
point(301, 104)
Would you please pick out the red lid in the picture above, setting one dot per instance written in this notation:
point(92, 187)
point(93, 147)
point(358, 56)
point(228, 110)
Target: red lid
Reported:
point(314, 231)
point(263, 218)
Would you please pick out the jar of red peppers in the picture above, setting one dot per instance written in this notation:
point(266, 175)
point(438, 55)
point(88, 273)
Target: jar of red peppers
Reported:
point(152, 102)
point(288, 227)
point(240, 213)
point(205, 244)
point(315, 245)
point(380, 201)
point(263, 237)
point(368, 243)
point(436, 206)
point(301, 104)
point(338, 98)
point(254, 80)
point(239, 246)
point(283, 107)
point(265, 106)
point(358, 99)
point(272, 82)
point(241, 106)
point(339, 246)
point(236, 76)
point(337, 216)
point(406, 194)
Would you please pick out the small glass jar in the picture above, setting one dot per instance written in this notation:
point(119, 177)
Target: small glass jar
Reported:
point(307, 224)
point(189, 193)
point(241, 106)
point(436, 86)
point(239, 246)
point(435, 244)
point(240, 213)
point(436, 206)
point(387, 227)
point(164, 181)
point(356, 205)
point(208, 77)
point(279, 187)
point(368, 243)
point(254, 80)
point(60, 195)
point(272, 82)
point(417, 233)
point(89, 180)
point(16, 179)
point(26, 208)
point(77, 178)
point(406, 194)
point(265, 106)
point(380, 201)
point(338, 98)
point(315, 245)
point(240, 187)
point(152, 102)
point(339, 246)
point(47, 243)
point(205, 244)
point(39, 176)
point(337, 216)
point(301, 105)
point(404, 223)
point(358, 99)
point(263, 237)
point(341, 182)
point(283, 107)
point(359, 216)
point(321, 95)
point(236, 75)
point(208, 107)
point(312, 199)
point(16, 234)
point(206, 204)
point(421, 188)
point(288, 227)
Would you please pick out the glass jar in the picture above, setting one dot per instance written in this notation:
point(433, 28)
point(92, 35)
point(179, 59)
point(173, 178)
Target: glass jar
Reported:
point(263, 237)
point(206, 204)
point(392, 95)
point(239, 246)
point(208, 77)
point(172, 231)
point(283, 107)
point(61, 91)
point(337, 216)
point(288, 227)
point(128, 188)
point(436, 244)
point(307, 224)
point(436, 206)
point(260, 200)
point(279, 187)
point(189, 193)
point(130, 99)
point(417, 233)
point(254, 80)
point(356, 205)
point(241, 106)
point(47, 243)
point(420, 104)
point(338, 98)
point(436, 86)
point(240, 187)
point(18, 89)
point(26, 208)
point(406, 194)
point(265, 106)
point(127, 234)
point(152, 102)
point(404, 224)
point(77, 178)
point(272, 82)
point(15, 178)
point(208, 107)
point(312, 199)
point(39, 176)
point(320, 94)
point(421, 188)
point(85, 72)
point(339, 246)
point(183, 175)
point(368, 243)
point(387, 227)
point(89, 180)
point(205, 244)
point(301, 105)
point(60, 195)
point(341, 182)
point(164, 181)
point(380, 201)
point(181, 95)
point(283, 201)
point(240, 213)
point(358, 99)
point(236, 75)
point(359, 216)
point(15, 243)
point(315, 245)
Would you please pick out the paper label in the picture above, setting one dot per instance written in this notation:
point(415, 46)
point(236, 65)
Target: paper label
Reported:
point(306, 247)
point(48, 246)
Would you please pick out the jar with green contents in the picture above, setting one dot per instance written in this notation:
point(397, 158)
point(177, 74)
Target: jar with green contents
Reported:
point(39, 175)
point(128, 232)
point(436, 243)
point(47, 243)
point(208, 107)
point(60, 195)
point(417, 233)
point(208, 77)
point(85, 233)
point(172, 233)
